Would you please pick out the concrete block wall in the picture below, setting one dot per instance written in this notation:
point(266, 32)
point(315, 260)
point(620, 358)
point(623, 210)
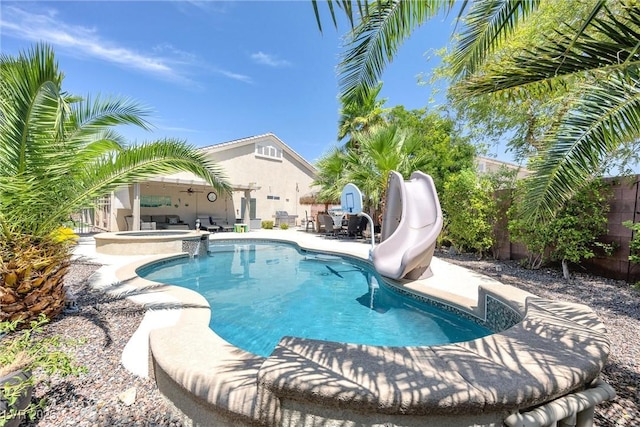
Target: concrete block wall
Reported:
point(625, 206)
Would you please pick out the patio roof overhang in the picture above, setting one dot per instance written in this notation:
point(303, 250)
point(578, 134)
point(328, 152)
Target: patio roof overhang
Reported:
point(188, 179)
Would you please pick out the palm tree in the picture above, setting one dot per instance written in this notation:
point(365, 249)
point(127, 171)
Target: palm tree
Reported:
point(380, 150)
point(58, 153)
point(358, 115)
point(331, 177)
point(384, 149)
point(604, 116)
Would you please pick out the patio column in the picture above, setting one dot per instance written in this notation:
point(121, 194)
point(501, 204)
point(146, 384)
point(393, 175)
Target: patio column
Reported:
point(246, 215)
point(136, 207)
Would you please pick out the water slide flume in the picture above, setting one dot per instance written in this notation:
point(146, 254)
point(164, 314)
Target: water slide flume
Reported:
point(411, 223)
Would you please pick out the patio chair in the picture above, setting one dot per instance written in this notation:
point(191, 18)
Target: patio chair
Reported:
point(221, 224)
point(329, 229)
point(211, 226)
point(308, 222)
point(362, 225)
point(319, 224)
point(353, 225)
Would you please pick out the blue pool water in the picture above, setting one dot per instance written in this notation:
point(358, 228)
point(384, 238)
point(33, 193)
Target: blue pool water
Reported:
point(260, 292)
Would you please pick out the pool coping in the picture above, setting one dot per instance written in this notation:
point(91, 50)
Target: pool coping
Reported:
point(557, 349)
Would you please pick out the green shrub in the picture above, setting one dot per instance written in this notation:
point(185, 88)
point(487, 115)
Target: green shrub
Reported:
point(267, 225)
point(634, 244)
point(39, 357)
point(572, 234)
point(284, 226)
point(470, 211)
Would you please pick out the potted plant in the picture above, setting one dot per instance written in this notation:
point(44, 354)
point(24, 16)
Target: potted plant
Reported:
point(27, 358)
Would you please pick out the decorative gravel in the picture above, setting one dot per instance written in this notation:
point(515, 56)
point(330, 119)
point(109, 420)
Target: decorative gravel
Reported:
point(616, 303)
point(93, 399)
point(106, 324)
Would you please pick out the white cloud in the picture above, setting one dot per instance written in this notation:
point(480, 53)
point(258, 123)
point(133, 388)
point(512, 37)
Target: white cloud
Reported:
point(269, 60)
point(165, 61)
point(21, 24)
point(235, 76)
point(177, 129)
point(207, 6)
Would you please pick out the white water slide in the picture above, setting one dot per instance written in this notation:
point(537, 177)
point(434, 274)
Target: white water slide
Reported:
point(411, 224)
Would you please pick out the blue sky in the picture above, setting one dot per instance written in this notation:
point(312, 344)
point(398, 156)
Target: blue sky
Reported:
point(214, 71)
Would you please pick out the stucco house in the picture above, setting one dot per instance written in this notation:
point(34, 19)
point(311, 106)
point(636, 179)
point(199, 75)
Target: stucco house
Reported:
point(261, 169)
point(489, 165)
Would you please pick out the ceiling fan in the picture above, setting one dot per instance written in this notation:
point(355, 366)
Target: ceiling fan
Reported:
point(190, 190)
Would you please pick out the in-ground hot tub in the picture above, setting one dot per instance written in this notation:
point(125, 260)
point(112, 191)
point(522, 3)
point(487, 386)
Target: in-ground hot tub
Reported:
point(153, 242)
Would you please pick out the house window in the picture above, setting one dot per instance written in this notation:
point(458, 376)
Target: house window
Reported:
point(269, 151)
point(273, 197)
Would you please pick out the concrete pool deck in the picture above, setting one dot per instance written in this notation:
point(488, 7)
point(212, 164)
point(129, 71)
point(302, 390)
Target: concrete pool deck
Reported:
point(552, 355)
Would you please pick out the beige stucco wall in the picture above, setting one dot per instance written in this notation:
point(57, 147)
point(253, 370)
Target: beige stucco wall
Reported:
point(287, 178)
point(489, 165)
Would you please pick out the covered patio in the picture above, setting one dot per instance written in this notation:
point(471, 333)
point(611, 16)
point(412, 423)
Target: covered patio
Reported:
point(181, 197)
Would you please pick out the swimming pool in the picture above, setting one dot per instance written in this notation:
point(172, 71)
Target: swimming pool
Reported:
point(539, 359)
point(261, 292)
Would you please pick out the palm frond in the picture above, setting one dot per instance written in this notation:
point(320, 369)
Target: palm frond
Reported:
point(609, 43)
point(346, 6)
point(97, 113)
point(133, 164)
point(606, 117)
point(488, 23)
point(361, 113)
point(33, 109)
point(59, 152)
point(376, 40)
point(330, 176)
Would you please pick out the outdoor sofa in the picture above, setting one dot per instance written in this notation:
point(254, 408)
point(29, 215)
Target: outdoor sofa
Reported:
point(165, 222)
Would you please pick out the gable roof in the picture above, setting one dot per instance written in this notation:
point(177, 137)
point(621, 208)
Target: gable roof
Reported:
point(257, 138)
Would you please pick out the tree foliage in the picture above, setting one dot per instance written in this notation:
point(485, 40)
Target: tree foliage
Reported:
point(572, 235)
point(360, 114)
point(406, 141)
point(367, 163)
point(470, 211)
point(593, 55)
point(447, 151)
point(634, 244)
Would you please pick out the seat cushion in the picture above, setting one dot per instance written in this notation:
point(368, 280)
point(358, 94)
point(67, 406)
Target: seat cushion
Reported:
point(159, 218)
